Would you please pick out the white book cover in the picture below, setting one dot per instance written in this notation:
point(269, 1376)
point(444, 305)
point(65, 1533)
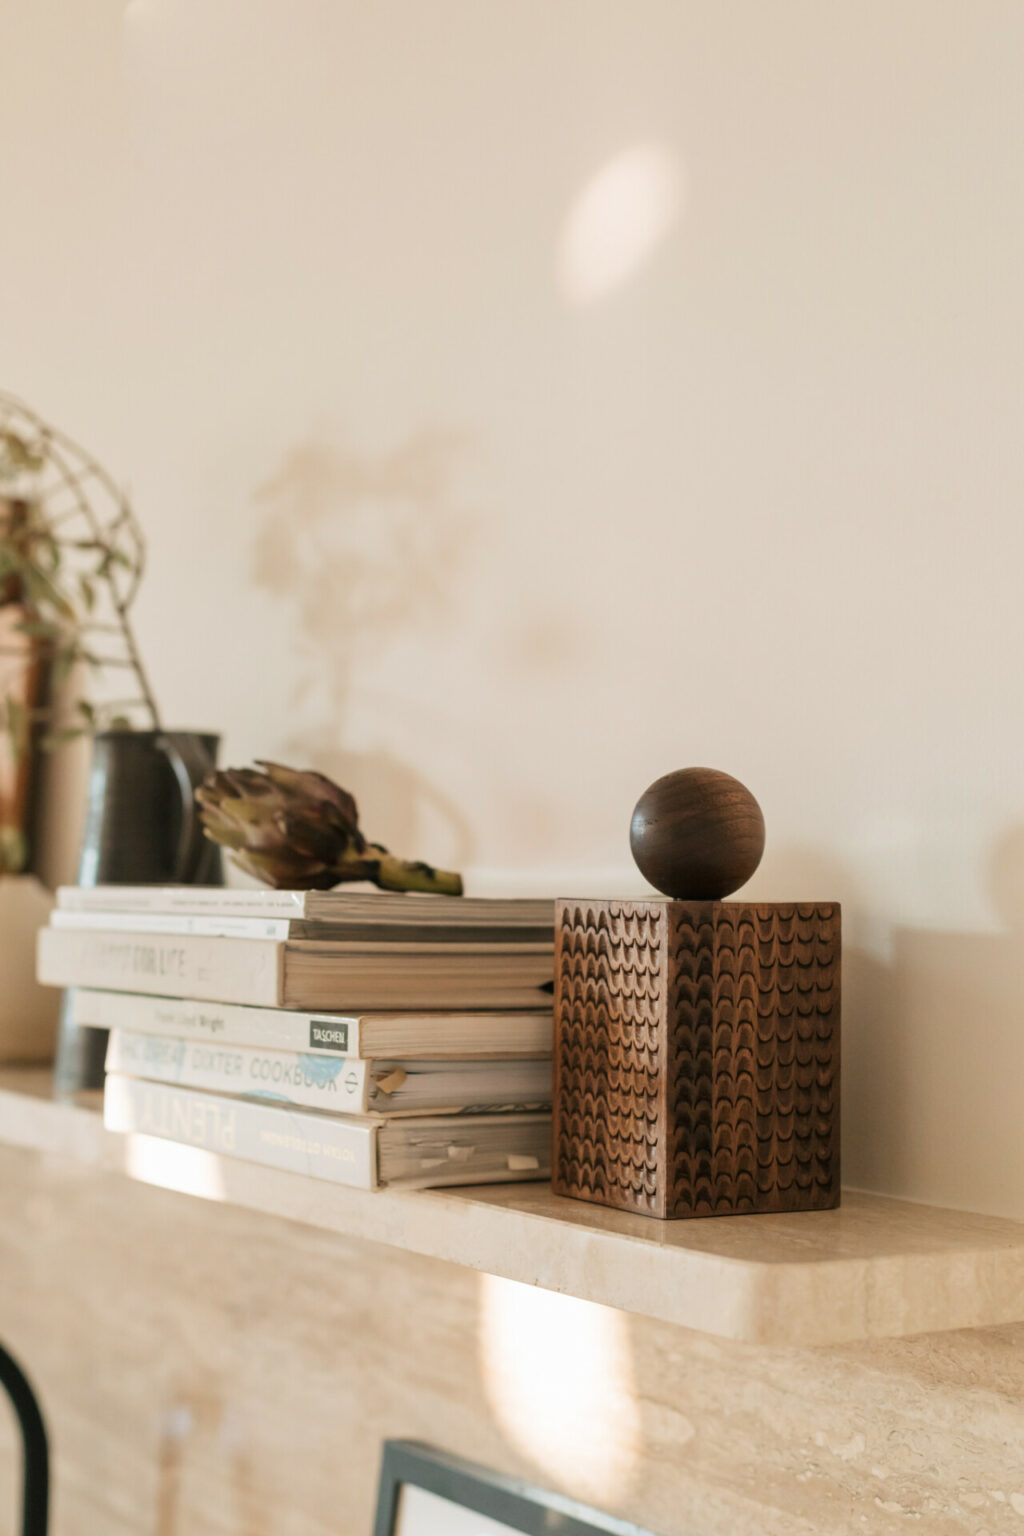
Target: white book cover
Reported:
point(279, 1029)
point(342, 929)
point(335, 1083)
point(345, 976)
point(362, 1151)
point(346, 905)
point(428, 1035)
point(343, 1149)
point(235, 970)
point(190, 900)
point(213, 925)
point(319, 1081)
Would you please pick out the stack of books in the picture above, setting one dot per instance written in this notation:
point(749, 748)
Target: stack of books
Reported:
point(374, 1040)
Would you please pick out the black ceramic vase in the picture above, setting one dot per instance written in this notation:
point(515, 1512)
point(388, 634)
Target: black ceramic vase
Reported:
point(142, 827)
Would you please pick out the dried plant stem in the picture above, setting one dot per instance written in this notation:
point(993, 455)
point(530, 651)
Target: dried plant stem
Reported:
point(121, 601)
point(136, 661)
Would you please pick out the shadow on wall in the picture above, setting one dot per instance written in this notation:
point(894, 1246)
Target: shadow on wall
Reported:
point(933, 1042)
point(800, 873)
point(365, 551)
point(960, 1001)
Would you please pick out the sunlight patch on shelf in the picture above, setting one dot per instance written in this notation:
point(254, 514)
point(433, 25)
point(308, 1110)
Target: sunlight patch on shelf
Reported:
point(171, 1165)
point(617, 221)
point(558, 1374)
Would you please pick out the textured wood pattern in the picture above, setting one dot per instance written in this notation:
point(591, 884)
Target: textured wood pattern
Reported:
point(697, 1056)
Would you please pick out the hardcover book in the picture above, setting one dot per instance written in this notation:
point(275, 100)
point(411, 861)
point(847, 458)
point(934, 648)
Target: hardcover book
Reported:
point(303, 974)
point(333, 1083)
point(417, 1035)
point(235, 926)
point(365, 1152)
point(360, 909)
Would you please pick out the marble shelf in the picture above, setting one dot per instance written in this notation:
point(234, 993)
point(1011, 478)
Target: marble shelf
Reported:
point(875, 1268)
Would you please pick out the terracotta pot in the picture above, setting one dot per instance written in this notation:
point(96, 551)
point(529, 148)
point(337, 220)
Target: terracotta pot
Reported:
point(28, 1012)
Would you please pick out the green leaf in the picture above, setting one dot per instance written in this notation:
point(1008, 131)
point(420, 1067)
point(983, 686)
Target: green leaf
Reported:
point(38, 629)
point(87, 711)
point(13, 852)
point(54, 739)
point(46, 594)
point(17, 726)
point(18, 453)
point(51, 552)
point(63, 664)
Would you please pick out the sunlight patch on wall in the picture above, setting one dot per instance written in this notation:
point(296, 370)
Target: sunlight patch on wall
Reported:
point(558, 1374)
point(171, 1165)
point(617, 221)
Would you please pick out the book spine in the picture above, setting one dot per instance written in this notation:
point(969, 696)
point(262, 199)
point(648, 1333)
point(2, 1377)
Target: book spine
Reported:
point(191, 900)
point(219, 1023)
point(339, 937)
point(362, 933)
point(324, 1146)
point(223, 970)
point(289, 1077)
point(178, 923)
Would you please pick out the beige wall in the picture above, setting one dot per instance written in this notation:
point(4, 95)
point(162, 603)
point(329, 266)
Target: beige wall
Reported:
point(453, 494)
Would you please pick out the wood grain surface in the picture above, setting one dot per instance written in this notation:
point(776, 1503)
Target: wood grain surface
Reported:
point(697, 1056)
point(697, 834)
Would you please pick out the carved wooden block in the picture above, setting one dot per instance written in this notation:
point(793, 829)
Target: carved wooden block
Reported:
point(697, 1056)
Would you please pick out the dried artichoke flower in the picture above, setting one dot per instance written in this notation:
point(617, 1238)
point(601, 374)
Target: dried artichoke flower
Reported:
point(295, 829)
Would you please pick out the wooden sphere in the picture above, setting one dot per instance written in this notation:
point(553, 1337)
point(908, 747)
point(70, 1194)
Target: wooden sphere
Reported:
point(697, 834)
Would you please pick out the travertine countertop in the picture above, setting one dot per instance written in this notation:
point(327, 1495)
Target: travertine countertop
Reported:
point(874, 1268)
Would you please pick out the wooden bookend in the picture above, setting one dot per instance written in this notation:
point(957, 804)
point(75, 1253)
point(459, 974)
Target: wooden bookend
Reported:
point(697, 1056)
